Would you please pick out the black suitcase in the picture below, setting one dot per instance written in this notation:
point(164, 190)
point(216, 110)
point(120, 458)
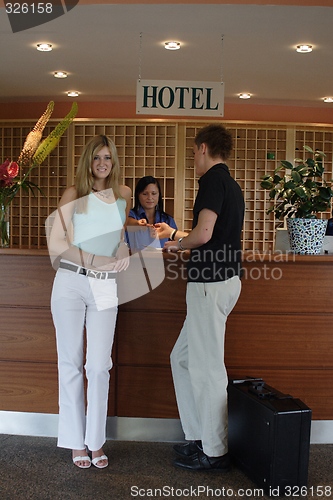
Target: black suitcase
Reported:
point(269, 436)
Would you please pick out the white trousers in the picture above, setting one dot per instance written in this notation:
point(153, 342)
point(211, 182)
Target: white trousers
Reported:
point(197, 363)
point(79, 303)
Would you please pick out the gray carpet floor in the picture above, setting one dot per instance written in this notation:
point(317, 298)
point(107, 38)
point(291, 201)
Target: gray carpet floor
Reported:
point(34, 468)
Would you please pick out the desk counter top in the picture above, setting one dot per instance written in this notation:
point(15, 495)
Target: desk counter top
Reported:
point(246, 256)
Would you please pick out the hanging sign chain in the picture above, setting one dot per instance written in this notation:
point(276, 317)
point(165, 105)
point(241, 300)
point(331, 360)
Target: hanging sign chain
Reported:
point(140, 56)
point(222, 37)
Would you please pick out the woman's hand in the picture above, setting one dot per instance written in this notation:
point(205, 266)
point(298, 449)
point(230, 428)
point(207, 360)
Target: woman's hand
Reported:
point(142, 222)
point(136, 222)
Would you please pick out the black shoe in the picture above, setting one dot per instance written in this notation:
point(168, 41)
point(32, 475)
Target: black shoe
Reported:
point(201, 461)
point(188, 449)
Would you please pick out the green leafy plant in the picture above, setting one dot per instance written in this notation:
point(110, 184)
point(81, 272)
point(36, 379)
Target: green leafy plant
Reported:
point(300, 191)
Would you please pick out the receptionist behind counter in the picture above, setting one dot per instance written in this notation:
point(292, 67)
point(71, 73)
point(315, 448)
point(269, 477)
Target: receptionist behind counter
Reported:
point(147, 211)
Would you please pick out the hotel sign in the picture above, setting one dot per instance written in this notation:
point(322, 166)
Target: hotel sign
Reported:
point(160, 97)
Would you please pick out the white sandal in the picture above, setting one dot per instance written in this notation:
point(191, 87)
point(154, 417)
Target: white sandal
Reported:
point(82, 459)
point(97, 459)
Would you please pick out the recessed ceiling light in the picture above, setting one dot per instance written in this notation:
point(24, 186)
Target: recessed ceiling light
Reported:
point(244, 95)
point(44, 47)
point(73, 93)
point(60, 74)
point(304, 48)
point(172, 45)
point(328, 99)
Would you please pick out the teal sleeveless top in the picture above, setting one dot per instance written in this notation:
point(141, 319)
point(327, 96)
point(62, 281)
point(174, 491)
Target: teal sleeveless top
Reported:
point(98, 231)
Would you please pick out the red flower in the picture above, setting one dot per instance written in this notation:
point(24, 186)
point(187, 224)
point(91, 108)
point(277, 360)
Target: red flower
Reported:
point(13, 169)
point(3, 167)
point(8, 171)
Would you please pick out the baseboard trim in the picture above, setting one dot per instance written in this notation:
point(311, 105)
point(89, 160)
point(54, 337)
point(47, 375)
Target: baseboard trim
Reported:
point(126, 428)
point(117, 428)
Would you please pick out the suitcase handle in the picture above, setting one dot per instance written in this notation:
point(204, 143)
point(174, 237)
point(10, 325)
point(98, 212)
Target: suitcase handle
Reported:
point(248, 379)
point(258, 388)
point(260, 391)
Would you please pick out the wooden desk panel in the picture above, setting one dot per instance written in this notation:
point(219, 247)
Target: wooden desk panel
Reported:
point(145, 391)
point(27, 334)
point(280, 330)
point(147, 339)
point(33, 387)
point(26, 280)
point(267, 341)
point(28, 387)
point(168, 296)
point(286, 287)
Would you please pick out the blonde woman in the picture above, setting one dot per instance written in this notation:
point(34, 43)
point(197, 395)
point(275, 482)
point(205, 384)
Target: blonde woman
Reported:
point(88, 238)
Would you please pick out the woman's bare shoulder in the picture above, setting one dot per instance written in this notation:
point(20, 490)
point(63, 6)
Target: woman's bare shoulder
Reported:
point(125, 192)
point(70, 194)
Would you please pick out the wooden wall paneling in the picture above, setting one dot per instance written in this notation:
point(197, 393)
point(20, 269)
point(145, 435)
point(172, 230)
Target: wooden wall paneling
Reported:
point(279, 330)
point(152, 341)
point(28, 358)
point(146, 392)
point(279, 342)
point(33, 387)
point(168, 296)
point(147, 329)
point(27, 334)
point(286, 287)
point(313, 387)
point(26, 281)
point(28, 387)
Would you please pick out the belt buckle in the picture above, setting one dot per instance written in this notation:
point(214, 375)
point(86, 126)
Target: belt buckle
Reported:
point(100, 275)
point(83, 271)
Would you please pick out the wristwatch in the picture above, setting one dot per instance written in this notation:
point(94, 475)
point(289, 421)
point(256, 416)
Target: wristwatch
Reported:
point(180, 244)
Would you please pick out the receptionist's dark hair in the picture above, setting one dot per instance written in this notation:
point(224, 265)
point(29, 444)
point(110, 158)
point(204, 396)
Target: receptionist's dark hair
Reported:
point(141, 186)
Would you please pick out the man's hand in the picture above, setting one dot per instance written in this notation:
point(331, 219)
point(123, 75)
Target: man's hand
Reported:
point(170, 246)
point(163, 230)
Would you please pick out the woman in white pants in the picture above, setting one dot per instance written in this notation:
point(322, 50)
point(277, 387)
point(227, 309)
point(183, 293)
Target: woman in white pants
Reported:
point(87, 243)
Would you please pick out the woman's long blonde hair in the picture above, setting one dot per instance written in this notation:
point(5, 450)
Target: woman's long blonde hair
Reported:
point(84, 179)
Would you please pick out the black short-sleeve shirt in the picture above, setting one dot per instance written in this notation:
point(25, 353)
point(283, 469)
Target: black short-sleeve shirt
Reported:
point(220, 258)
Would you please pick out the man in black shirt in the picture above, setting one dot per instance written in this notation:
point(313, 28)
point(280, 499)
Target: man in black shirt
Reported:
point(213, 288)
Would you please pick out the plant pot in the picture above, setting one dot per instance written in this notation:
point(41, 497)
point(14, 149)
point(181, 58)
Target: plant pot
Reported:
point(306, 236)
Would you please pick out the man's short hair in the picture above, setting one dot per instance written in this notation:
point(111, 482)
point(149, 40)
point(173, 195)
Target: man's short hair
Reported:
point(218, 139)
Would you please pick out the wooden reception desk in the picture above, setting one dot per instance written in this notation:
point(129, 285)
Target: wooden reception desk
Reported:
point(280, 330)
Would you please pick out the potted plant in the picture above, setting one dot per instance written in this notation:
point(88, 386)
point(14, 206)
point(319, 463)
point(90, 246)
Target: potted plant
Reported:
point(34, 152)
point(299, 194)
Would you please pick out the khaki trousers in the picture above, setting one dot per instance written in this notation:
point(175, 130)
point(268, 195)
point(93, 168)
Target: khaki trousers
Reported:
point(197, 363)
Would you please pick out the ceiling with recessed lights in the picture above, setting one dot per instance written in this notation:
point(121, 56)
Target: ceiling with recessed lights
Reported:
point(251, 48)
